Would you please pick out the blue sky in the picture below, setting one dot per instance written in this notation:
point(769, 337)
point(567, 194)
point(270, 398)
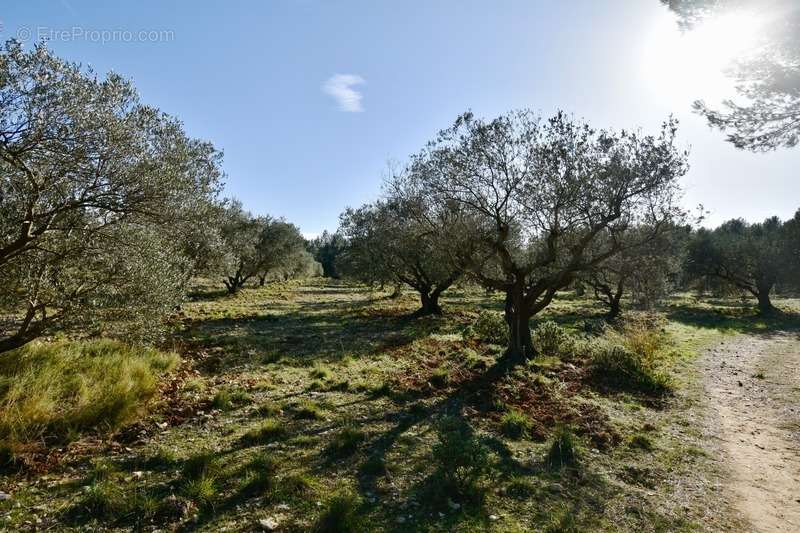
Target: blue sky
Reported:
point(255, 78)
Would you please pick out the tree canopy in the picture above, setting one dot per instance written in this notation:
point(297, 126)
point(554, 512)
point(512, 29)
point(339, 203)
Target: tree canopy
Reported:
point(749, 257)
point(97, 192)
point(542, 192)
point(767, 78)
point(405, 239)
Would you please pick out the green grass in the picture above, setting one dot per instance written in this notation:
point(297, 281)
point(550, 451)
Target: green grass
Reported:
point(309, 410)
point(266, 431)
point(331, 422)
point(346, 441)
point(64, 388)
point(515, 424)
point(341, 514)
point(228, 398)
point(563, 450)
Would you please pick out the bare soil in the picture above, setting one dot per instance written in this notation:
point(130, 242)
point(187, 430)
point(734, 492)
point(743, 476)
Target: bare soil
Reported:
point(752, 385)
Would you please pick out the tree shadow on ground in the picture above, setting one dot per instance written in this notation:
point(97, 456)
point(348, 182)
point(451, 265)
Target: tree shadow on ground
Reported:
point(303, 337)
point(733, 319)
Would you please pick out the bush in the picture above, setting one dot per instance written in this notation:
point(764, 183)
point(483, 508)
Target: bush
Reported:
point(618, 367)
point(341, 514)
point(59, 389)
point(515, 424)
point(563, 451)
point(460, 457)
point(550, 339)
point(491, 327)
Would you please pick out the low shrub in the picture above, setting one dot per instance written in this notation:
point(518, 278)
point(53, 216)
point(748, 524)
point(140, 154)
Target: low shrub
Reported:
point(320, 372)
point(341, 514)
point(563, 450)
point(309, 410)
point(202, 490)
point(551, 339)
point(618, 367)
point(491, 327)
point(205, 464)
point(520, 487)
point(101, 499)
point(644, 335)
point(228, 398)
point(440, 377)
point(296, 485)
point(59, 389)
point(642, 442)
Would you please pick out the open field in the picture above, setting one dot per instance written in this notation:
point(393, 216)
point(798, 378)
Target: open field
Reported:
point(319, 404)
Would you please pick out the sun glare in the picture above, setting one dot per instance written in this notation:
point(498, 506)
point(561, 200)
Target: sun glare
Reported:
point(685, 65)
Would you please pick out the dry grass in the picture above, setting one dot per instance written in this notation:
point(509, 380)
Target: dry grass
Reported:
point(54, 390)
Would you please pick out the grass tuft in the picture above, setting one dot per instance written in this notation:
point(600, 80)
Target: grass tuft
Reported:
point(268, 430)
point(309, 410)
point(563, 450)
point(346, 441)
point(341, 514)
point(63, 388)
point(515, 424)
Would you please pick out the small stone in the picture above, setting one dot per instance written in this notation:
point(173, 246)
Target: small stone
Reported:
point(4, 496)
point(138, 474)
point(268, 524)
point(493, 517)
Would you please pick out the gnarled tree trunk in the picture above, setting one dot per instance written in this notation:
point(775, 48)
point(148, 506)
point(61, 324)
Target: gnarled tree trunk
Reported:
point(518, 316)
point(765, 307)
point(430, 304)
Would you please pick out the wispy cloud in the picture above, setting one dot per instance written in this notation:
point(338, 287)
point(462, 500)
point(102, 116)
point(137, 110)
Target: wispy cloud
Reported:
point(340, 87)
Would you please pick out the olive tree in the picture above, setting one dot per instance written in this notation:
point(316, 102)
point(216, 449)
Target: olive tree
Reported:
point(97, 191)
point(241, 233)
point(749, 257)
point(542, 192)
point(404, 239)
point(327, 250)
point(646, 270)
point(281, 250)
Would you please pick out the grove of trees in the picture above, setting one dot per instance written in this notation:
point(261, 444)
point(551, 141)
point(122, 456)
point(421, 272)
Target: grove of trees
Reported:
point(108, 209)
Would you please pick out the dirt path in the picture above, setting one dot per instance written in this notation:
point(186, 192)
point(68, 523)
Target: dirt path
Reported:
point(752, 384)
